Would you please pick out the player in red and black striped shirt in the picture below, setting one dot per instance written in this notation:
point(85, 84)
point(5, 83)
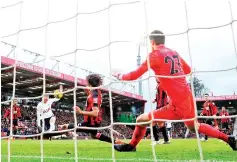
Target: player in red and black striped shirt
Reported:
point(224, 121)
point(161, 96)
point(16, 114)
point(161, 100)
point(209, 109)
point(92, 114)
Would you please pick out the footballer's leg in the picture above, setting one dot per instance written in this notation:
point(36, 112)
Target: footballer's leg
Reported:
point(52, 123)
point(94, 133)
point(186, 133)
point(209, 122)
point(47, 123)
point(163, 130)
point(205, 128)
point(169, 132)
point(100, 136)
point(138, 134)
point(212, 132)
point(15, 126)
point(155, 134)
point(166, 112)
point(147, 132)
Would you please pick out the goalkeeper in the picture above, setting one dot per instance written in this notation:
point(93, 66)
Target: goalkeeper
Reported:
point(44, 111)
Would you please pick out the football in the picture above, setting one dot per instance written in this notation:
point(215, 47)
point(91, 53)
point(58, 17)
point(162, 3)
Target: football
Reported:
point(58, 94)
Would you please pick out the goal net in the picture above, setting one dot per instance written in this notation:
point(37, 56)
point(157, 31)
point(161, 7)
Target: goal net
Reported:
point(73, 33)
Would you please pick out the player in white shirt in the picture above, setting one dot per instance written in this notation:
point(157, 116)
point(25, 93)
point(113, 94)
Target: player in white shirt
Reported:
point(44, 111)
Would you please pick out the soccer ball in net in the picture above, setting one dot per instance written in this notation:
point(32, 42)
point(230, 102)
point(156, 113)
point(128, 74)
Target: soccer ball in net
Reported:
point(58, 94)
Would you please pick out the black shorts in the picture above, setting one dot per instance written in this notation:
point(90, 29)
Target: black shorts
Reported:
point(15, 122)
point(225, 125)
point(46, 123)
point(85, 124)
point(209, 122)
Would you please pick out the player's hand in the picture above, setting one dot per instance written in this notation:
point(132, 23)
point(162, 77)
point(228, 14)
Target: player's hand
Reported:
point(117, 75)
point(78, 110)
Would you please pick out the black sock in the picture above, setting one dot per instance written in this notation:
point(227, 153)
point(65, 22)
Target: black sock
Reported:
point(164, 133)
point(155, 133)
point(14, 132)
point(206, 137)
point(103, 137)
point(8, 133)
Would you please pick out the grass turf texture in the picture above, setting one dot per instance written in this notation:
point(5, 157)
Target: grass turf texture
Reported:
point(93, 150)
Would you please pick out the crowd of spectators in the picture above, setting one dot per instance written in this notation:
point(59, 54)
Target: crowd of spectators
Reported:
point(28, 122)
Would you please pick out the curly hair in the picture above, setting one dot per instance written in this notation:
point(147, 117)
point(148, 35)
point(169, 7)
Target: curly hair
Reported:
point(94, 80)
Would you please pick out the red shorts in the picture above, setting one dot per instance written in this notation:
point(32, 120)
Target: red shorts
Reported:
point(184, 110)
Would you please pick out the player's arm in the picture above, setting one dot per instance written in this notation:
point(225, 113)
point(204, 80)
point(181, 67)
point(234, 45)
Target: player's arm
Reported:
point(19, 112)
point(214, 108)
point(7, 113)
point(52, 100)
point(139, 71)
point(93, 113)
point(136, 73)
point(95, 108)
point(186, 68)
point(203, 112)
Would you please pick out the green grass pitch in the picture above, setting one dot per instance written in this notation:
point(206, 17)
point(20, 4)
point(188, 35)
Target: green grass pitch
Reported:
point(93, 150)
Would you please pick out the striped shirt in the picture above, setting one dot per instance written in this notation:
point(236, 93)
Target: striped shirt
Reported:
point(209, 108)
point(161, 97)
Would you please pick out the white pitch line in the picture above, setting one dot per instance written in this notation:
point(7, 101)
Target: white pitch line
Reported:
point(109, 159)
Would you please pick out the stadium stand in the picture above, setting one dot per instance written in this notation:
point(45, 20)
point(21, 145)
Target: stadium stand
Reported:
point(29, 84)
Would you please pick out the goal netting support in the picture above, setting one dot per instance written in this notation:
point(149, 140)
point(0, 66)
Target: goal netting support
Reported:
point(74, 56)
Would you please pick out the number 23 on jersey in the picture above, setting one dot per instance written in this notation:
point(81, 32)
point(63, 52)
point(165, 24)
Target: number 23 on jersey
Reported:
point(174, 63)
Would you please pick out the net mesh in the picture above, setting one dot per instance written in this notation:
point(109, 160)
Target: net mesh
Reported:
point(108, 8)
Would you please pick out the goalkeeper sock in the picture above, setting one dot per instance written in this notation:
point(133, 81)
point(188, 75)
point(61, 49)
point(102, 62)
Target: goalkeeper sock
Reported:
point(138, 134)
point(103, 137)
point(210, 131)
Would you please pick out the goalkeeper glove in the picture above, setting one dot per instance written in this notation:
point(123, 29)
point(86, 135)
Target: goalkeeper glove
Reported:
point(118, 76)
